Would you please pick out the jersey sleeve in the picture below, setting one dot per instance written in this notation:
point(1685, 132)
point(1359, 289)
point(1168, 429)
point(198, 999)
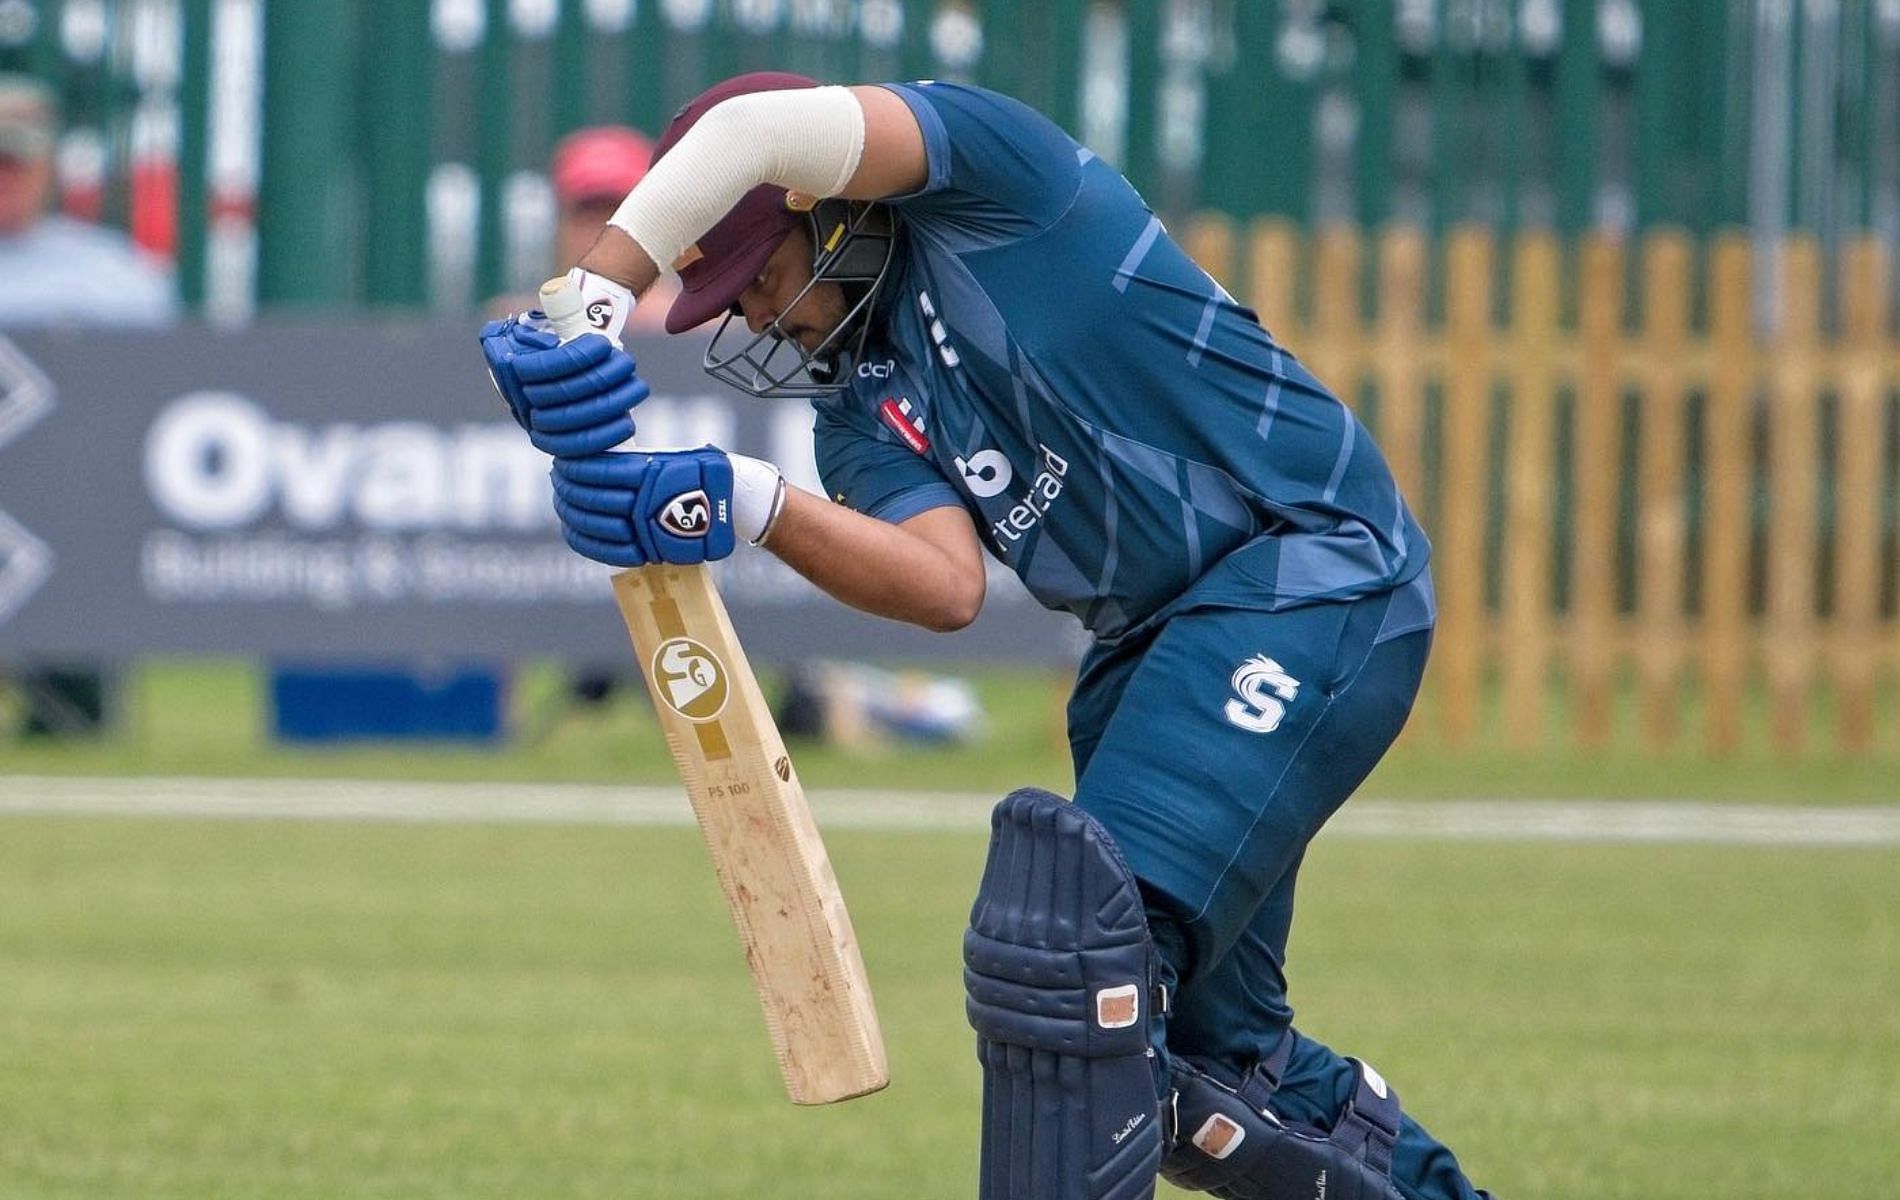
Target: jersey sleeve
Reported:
point(997, 167)
point(878, 478)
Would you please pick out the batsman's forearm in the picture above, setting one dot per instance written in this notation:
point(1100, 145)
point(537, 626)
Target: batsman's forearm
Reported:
point(927, 571)
point(620, 259)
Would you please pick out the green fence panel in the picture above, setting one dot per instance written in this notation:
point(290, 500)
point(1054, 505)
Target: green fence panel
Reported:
point(1679, 149)
point(193, 150)
point(310, 156)
point(1575, 78)
point(1376, 83)
point(574, 68)
point(404, 142)
point(645, 46)
point(1140, 160)
point(1258, 154)
point(392, 122)
point(494, 111)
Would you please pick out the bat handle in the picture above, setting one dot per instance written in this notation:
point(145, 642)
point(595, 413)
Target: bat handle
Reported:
point(561, 301)
point(567, 315)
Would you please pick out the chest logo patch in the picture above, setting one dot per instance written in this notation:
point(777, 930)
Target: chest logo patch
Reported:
point(903, 421)
point(985, 473)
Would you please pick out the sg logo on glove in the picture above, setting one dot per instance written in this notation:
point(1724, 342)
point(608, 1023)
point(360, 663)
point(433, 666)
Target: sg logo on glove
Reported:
point(631, 508)
point(688, 516)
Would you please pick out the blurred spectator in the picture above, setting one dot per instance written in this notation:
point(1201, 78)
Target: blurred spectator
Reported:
point(591, 171)
point(55, 271)
point(58, 272)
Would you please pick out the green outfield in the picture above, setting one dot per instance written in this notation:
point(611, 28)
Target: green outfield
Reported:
point(213, 1008)
point(209, 717)
point(207, 1009)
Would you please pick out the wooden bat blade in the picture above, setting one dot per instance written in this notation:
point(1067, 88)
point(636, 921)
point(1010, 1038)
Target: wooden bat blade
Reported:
point(764, 844)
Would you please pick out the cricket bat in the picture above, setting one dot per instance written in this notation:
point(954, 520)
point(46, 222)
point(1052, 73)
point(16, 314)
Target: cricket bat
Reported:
point(765, 846)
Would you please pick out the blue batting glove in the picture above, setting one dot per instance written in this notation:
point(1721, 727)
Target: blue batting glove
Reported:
point(503, 342)
point(632, 508)
point(579, 395)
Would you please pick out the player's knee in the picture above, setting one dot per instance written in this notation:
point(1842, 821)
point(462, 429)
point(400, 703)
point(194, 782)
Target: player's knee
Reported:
point(1227, 1140)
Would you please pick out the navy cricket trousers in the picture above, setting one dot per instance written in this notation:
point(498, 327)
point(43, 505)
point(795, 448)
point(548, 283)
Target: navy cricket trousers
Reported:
point(1213, 750)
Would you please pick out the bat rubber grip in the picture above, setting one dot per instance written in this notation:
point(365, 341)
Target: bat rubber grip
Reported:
point(561, 301)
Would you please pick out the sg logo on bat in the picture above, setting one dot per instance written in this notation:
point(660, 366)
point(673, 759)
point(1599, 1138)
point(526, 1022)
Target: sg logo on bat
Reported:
point(690, 678)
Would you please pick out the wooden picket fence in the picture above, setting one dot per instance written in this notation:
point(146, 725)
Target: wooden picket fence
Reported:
point(1731, 550)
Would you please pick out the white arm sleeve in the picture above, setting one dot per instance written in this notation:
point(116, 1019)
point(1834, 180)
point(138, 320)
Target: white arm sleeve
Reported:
point(803, 139)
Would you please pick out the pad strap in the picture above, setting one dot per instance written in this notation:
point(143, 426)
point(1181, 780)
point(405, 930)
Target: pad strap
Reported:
point(1228, 1142)
point(1369, 1128)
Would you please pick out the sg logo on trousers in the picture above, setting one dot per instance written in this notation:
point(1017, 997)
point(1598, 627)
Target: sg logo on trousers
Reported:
point(1263, 690)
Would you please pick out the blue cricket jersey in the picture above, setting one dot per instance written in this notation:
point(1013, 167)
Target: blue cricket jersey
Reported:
point(1044, 355)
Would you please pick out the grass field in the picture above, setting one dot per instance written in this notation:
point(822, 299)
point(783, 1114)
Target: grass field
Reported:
point(208, 717)
point(207, 1009)
point(216, 1008)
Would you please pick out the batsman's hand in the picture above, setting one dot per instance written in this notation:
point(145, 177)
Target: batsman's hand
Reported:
point(605, 304)
point(574, 398)
point(502, 342)
point(632, 508)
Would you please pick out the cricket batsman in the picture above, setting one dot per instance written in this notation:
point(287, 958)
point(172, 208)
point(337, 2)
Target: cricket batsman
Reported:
point(1007, 353)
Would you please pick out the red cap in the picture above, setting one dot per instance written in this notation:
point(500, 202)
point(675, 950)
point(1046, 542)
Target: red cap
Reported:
point(599, 163)
point(731, 254)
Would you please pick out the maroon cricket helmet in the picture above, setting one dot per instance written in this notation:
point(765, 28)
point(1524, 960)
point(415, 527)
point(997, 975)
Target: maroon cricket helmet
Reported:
point(730, 255)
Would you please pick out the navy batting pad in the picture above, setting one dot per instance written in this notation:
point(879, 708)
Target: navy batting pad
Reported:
point(1059, 969)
